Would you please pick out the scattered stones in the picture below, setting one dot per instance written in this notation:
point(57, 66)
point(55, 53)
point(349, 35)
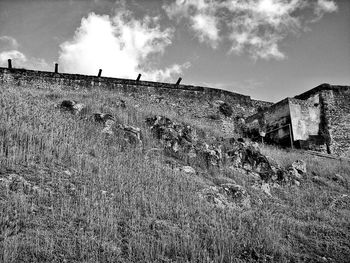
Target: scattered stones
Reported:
point(182, 142)
point(131, 134)
point(227, 195)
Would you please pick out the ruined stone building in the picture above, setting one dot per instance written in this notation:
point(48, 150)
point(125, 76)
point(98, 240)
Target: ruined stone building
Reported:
point(318, 119)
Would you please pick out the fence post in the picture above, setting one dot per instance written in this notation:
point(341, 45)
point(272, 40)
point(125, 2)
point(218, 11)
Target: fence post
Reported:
point(9, 62)
point(178, 81)
point(56, 67)
point(99, 73)
point(138, 77)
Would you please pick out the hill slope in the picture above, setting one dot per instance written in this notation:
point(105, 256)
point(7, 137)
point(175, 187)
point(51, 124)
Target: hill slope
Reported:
point(69, 193)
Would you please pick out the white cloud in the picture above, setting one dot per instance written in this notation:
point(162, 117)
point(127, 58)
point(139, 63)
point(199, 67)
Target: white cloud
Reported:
point(206, 28)
point(121, 46)
point(201, 16)
point(7, 42)
point(8, 50)
point(12, 54)
point(324, 6)
point(255, 27)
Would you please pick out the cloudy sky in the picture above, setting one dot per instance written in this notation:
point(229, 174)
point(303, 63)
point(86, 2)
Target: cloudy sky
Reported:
point(268, 49)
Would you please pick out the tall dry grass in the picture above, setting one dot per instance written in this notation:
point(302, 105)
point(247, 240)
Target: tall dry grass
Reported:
point(102, 201)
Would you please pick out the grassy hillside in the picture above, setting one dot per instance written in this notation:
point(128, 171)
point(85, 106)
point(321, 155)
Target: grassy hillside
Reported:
point(71, 194)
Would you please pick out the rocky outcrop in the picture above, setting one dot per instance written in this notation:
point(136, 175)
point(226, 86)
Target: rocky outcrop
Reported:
point(130, 134)
point(189, 145)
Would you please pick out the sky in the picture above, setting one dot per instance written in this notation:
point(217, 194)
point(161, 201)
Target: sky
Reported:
point(267, 49)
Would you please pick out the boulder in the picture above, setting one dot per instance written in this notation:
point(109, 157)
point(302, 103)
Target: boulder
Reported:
point(300, 166)
point(131, 134)
point(72, 106)
point(297, 170)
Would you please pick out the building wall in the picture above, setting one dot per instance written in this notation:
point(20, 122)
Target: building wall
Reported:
point(338, 114)
point(334, 104)
point(274, 121)
point(305, 118)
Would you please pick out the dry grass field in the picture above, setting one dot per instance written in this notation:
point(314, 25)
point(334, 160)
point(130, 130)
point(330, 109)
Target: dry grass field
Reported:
point(71, 194)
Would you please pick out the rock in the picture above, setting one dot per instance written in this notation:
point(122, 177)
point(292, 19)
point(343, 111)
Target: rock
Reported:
point(122, 104)
point(293, 173)
point(300, 166)
point(340, 179)
point(228, 195)
point(103, 117)
point(226, 109)
point(214, 117)
point(181, 141)
point(218, 103)
point(131, 134)
point(188, 169)
point(108, 128)
point(320, 180)
point(212, 196)
point(107, 120)
point(72, 106)
point(297, 170)
point(15, 183)
point(18, 184)
point(234, 191)
point(296, 182)
point(266, 189)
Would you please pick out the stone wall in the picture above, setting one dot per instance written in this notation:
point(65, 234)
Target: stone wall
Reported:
point(199, 102)
point(337, 112)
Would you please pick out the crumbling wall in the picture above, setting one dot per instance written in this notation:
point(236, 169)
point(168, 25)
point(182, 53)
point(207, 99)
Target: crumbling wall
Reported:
point(306, 123)
point(334, 127)
point(273, 121)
